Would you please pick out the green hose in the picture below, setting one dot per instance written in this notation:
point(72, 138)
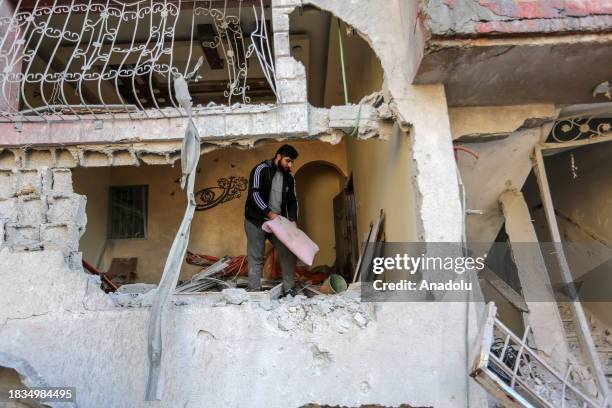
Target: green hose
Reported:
point(346, 100)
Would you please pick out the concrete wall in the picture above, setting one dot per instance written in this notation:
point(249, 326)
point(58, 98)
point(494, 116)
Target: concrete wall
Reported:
point(329, 350)
point(93, 183)
point(218, 231)
point(587, 198)
point(38, 210)
point(504, 160)
point(485, 120)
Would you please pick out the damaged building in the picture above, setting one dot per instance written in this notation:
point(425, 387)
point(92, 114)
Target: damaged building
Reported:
point(127, 134)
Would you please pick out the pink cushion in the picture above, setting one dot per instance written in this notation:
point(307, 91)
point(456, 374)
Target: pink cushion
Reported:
point(293, 238)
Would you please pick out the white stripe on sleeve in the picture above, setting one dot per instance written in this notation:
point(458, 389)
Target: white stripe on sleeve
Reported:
point(256, 177)
point(259, 201)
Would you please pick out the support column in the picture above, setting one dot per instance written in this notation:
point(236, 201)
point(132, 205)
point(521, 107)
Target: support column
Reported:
point(543, 316)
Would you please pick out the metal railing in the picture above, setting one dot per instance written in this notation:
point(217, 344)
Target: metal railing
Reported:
point(64, 60)
point(517, 375)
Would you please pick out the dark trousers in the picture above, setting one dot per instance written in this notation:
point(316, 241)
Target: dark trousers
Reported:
point(256, 240)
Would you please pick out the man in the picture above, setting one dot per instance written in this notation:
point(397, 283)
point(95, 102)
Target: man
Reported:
point(271, 193)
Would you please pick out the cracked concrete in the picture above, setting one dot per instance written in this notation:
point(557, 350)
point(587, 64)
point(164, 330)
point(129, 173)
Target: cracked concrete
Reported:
point(472, 17)
point(320, 338)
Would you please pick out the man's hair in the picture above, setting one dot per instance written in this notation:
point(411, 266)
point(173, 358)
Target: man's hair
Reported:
point(287, 151)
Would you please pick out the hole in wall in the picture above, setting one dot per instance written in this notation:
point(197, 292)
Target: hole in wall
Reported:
point(218, 225)
point(314, 41)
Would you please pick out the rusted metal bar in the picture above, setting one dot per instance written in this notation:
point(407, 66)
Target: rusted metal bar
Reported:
point(95, 271)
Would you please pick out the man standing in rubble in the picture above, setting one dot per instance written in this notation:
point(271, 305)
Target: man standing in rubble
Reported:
point(271, 193)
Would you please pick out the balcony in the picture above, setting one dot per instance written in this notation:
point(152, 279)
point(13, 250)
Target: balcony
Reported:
point(75, 60)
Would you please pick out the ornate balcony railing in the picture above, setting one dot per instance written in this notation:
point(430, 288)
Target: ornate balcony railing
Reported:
point(70, 60)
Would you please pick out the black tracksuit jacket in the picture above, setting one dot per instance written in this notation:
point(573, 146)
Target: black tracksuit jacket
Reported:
point(260, 182)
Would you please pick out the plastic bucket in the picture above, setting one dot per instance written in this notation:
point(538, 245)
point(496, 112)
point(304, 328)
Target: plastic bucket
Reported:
point(334, 284)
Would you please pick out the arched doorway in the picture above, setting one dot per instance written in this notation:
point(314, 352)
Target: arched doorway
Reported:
point(317, 184)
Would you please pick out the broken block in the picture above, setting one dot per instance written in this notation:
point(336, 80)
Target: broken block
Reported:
point(30, 210)
point(60, 236)
point(22, 237)
point(280, 18)
point(62, 180)
point(8, 209)
point(67, 208)
point(292, 90)
point(290, 68)
point(28, 182)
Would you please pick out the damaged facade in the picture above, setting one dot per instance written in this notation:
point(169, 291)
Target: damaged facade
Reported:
point(465, 122)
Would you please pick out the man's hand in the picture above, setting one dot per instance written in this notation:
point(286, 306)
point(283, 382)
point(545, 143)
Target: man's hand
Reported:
point(272, 215)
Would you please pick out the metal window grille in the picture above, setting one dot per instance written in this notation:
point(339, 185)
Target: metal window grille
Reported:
point(74, 59)
point(128, 212)
point(518, 376)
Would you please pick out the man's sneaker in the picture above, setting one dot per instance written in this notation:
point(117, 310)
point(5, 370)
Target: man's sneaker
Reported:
point(291, 292)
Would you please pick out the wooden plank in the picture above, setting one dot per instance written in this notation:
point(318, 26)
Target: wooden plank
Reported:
point(543, 317)
point(580, 321)
point(363, 247)
point(371, 247)
point(345, 230)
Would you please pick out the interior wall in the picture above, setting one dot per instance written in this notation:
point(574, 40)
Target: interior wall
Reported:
point(93, 183)
point(317, 185)
point(218, 231)
point(382, 176)
point(586, 198)
point(364, 73)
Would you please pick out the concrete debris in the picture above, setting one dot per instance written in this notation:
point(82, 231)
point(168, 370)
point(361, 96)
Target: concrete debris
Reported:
point(235, 296)
point(205, 279)
point(345, 313)
point(361, 321)
point(140, 288)
point(134, 299)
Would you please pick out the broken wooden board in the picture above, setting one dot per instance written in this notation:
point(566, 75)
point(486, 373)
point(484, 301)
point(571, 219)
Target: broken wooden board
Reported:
point(543, 317)
point(371, 248)
point(363, 247)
